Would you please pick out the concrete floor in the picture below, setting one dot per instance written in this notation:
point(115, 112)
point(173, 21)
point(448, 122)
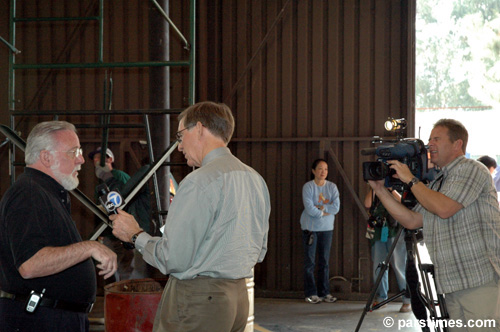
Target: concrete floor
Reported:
point(280, 315)
point(295, 315)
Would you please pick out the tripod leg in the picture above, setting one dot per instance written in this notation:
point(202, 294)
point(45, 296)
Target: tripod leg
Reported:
point(424, 301)
point(413, 284)
point(383, 267)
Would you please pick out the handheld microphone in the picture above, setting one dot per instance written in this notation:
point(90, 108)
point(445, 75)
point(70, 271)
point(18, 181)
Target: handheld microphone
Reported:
point(111, 200)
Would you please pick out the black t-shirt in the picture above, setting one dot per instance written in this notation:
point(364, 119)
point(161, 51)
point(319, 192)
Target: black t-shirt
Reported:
point(35, 213)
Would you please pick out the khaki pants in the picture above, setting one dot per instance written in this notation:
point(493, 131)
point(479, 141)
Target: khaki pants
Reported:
point(203, 304)
point(475, 305)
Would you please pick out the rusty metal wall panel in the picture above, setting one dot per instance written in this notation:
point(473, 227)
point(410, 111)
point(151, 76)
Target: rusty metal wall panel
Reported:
point(125, 32)
point(304, 77)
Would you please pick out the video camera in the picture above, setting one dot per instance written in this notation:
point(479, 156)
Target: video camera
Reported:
point(409, 151)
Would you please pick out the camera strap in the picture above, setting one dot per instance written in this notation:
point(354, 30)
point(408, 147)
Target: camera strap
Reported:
point(440, 178)
point(377, 209)
point(375, 202)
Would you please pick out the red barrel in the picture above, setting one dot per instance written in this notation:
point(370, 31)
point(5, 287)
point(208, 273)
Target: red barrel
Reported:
point(130, 305)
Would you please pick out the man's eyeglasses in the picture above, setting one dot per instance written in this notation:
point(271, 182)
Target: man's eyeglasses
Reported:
point(74, 153)
point(179, 134)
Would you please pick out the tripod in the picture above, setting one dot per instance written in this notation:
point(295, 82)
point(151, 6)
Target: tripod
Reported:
point(421, 302)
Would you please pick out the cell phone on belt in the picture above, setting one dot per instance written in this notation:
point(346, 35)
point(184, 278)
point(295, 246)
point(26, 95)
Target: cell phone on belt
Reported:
point(34, 300)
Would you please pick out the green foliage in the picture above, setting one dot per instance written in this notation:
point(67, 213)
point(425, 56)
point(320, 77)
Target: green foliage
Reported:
point(458, 53)
point(488, 9)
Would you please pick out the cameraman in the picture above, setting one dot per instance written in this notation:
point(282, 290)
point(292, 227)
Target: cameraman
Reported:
point(460, 217)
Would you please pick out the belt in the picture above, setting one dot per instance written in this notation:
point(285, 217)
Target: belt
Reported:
point(51, 303)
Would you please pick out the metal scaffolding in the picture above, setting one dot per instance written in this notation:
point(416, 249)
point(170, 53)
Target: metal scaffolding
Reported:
point(105, 123)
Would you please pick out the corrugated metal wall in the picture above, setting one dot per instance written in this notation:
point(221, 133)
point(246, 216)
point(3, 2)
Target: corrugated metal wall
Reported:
point(125, 40)
point(304, 78)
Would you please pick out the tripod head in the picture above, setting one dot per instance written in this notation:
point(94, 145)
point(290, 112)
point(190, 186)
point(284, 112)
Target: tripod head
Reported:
point(413, 236)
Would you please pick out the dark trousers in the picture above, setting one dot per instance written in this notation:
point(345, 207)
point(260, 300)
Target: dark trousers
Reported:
point(322, 243)
point(13, 318)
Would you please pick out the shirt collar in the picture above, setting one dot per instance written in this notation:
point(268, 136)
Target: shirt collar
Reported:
point(45, 180)
point(447, 169)
point(214, 154)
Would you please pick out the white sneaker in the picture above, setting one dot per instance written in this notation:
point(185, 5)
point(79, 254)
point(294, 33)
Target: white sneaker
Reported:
point(329, 298)
point(313, 299)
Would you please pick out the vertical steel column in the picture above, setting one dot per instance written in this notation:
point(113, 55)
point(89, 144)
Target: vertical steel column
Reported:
point(159, 82)
point(101, 31)
point(12, 95)
point(156, 189)
point(192, 52)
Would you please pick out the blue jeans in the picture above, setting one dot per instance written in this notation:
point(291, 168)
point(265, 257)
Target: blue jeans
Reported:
point(323, 242)
point(398, 262)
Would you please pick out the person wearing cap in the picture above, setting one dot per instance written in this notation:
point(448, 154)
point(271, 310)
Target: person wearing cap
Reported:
point(130, 263)
point(107, 173)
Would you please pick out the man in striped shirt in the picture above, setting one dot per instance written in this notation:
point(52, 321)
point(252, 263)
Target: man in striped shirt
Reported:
point(460, 217)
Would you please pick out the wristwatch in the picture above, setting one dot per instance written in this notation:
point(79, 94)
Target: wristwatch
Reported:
point(413, 181)
point(134, 237)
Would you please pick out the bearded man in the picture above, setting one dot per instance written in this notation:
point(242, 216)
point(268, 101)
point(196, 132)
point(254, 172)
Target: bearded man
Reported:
point(47, 276)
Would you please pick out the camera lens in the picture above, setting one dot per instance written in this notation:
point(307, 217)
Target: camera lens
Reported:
point(375, 170)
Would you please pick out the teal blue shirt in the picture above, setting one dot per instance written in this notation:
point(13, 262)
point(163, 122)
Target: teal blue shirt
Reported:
point(312, 218)
point(217, 224)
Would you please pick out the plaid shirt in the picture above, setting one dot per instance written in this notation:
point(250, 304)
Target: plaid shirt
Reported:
point(465, 248)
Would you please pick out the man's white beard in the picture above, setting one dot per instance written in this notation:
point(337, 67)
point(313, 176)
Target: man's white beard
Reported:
point(67, 181)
